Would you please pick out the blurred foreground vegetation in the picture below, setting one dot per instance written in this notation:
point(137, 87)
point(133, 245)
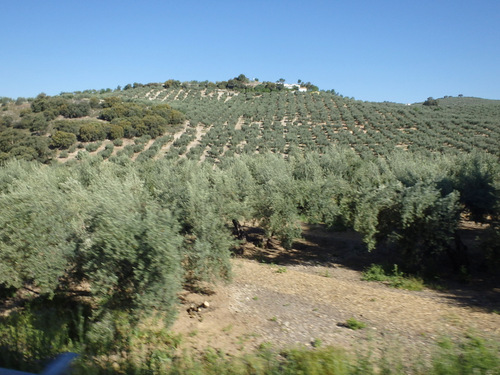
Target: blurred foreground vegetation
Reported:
point(118, 345)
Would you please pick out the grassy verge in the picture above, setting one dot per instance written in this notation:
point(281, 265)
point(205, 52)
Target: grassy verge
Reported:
point(117, 345)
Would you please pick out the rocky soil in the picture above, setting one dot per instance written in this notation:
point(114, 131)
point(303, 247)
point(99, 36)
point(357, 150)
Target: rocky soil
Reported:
point(305, 296)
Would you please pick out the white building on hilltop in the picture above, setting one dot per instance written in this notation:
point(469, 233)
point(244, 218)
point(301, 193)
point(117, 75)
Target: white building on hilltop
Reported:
point(293, 86)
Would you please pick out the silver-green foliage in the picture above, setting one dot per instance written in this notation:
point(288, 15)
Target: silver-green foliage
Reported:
point(95, 222)
point(135, 231)
point(36, 226)
point(130, 249)
point(274, 197)
point(187, 189)
point(410, 200)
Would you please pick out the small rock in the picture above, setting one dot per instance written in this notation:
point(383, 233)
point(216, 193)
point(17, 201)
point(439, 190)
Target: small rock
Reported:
point(206, 304)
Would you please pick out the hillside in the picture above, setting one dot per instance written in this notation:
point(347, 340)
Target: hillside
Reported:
point(222, 122)
point(176, 227)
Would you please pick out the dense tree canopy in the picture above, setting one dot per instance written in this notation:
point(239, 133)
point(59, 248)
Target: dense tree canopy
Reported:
point(62, 139)
point(431, 102)
point(147, 227)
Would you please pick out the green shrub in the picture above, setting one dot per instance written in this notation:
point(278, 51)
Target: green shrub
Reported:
point(274, 198)
point(93, 131)
point(395, 278)
point(115, 132)
point(431, 102)
point(20, 100)
point(91, 147)
point(128, 150)
point(354, 324)
point(6, 121)
point(143, 139)
point(155, 124)
point(35, 227)
point(375, 273)
point(118, 142)
point(471, 355)
point(35, 122)
point(81, 155)
point(69, 126)
point(106, 153)
point(187, 190)
point(74, 110)
point(111, 113)
point(138, 147)
point(62, 140)
point(134, 261)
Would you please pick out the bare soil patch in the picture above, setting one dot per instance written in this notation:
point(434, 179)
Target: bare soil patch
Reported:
point(239, 123)
point(169, 144)
point(200, 132)
point(306, 294)
point(146, 147)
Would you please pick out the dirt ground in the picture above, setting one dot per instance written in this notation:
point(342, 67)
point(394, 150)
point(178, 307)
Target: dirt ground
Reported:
point(305, 295)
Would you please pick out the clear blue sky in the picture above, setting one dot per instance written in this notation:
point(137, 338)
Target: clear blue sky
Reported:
point(396, 50)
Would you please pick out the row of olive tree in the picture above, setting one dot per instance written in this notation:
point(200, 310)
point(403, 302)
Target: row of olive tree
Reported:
point(137, 231)
point(103, 224)
point(410, 202)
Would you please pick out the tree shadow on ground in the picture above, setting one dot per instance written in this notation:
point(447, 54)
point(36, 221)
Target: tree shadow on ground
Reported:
point(320, 246)
point(479, 289)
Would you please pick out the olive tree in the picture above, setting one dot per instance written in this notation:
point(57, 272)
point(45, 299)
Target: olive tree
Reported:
point(37, 223)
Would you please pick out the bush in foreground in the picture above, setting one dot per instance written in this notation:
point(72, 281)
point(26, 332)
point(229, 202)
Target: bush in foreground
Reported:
point(116, 344)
